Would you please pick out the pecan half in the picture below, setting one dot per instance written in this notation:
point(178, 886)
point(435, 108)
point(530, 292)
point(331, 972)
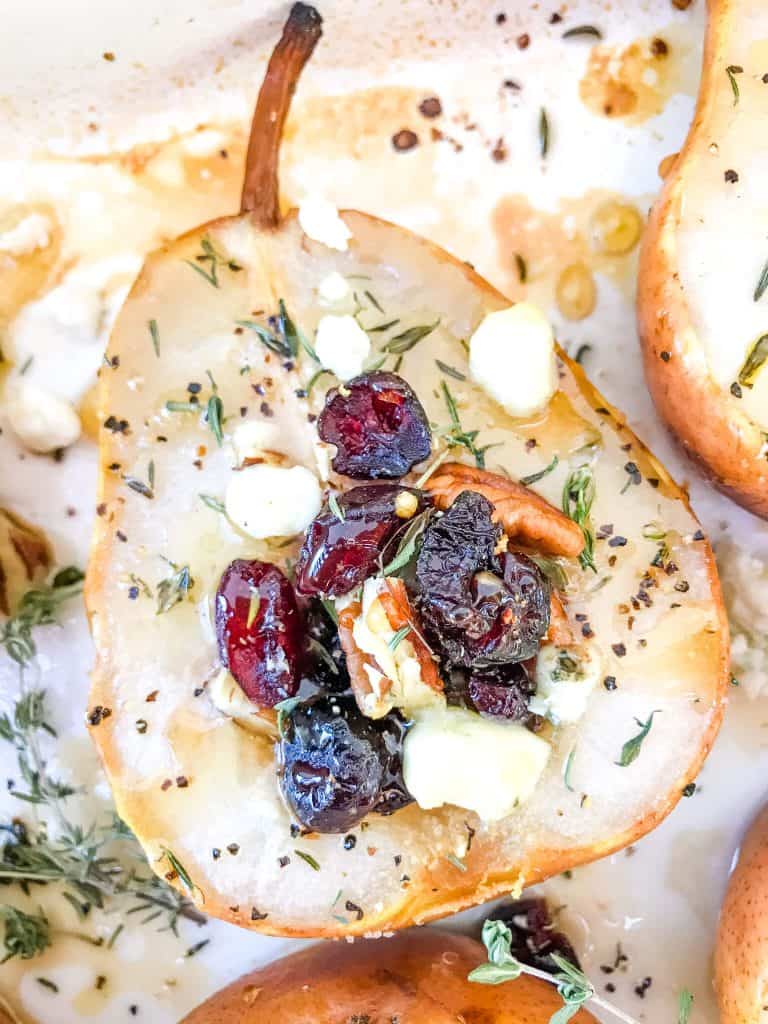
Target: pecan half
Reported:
point(526, 517)
point(376, 700)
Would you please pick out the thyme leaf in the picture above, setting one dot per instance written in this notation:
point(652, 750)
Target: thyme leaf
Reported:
point(762, 283)
point(754, 362)
point(457, 436)
point(567, 770)
point(174, 588)
point(397, 638)
point(408, 545)
point(333, 505)
point(583, 30)
point(213, 503)
point(631, 749)
point(543, 133)
point(208, 261)
point(732, 70)
point(308, 859)
point(449, 371)
point(578, 498)
point(293, 335)
point(684, 1006)
point(534, 478)
point(26, 935)
point(405, 341)
point(178, 870)
point(155, 335)
point(275, 344)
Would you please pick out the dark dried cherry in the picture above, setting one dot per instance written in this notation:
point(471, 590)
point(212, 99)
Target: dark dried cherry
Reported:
point(534, 936)
point(480, 609)
point(502, 693)
point(337, 766)
point(378, 426)
point(338, 554)
point(325, 665)
point(260, 631)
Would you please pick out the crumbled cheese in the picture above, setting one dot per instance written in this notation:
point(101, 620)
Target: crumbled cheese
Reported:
point(320, 221)
point(333, 288)
point(255, 439)
point(227, 697)
point(342, 345)
point(565, 677)
point(270, 501)
point(397, 682)
point(42, 421)
point(512, 357)
point(454, 756)
point(744, 577)
point(31, 233)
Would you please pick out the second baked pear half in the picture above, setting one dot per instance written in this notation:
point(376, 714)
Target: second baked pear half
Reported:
point(703, 285)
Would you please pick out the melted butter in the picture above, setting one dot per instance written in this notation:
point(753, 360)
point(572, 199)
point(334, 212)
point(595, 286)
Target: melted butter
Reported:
point(548, 241)
point(634, 82)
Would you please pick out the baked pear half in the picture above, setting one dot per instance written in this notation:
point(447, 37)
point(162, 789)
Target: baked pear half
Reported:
point(420, 976)
point(741, 952)
point(393, 613)
point(702, 291)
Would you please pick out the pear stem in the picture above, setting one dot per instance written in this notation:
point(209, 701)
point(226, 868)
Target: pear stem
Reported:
point(261, 189)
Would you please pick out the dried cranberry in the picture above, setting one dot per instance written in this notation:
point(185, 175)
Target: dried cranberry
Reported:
point(260, 631)
point(480, 609)
point(378, 426)
point(503, 693)
point(339, 553)
point(534, 937)
point(336, 765)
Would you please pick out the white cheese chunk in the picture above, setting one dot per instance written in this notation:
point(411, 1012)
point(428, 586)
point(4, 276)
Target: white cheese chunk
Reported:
point(42, 421)
point(31, 233)
point(270, 501)
point(565, 677)
point(512, 357)
point(342, 345)
point(454, 756)
point(320, 221)
point(333, 288)
point(254, 439)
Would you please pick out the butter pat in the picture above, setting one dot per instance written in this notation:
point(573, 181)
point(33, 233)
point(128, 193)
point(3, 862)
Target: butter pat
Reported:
point(270, 501)
point(320, 221)
point(342, 345)
point(42, 421)
point(453, 756)
point(512, 357)
point(565, 678)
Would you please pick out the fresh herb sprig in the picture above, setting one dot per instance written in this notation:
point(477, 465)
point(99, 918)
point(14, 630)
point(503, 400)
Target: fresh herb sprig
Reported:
point(631, 749)
point(457, 436)
point(573, 985)
point(174, 588)
point(90, 866)
point(208, 262)
point(578, 498)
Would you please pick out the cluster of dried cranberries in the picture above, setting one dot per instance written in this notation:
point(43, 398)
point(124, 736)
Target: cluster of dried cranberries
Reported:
point(483, 612)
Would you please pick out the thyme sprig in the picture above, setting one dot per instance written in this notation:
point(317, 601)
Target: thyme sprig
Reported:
point(208, 261)
point(457, 436)
point(573, 985)
point(174, 588)
point(89, 866)
point(578, 498)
